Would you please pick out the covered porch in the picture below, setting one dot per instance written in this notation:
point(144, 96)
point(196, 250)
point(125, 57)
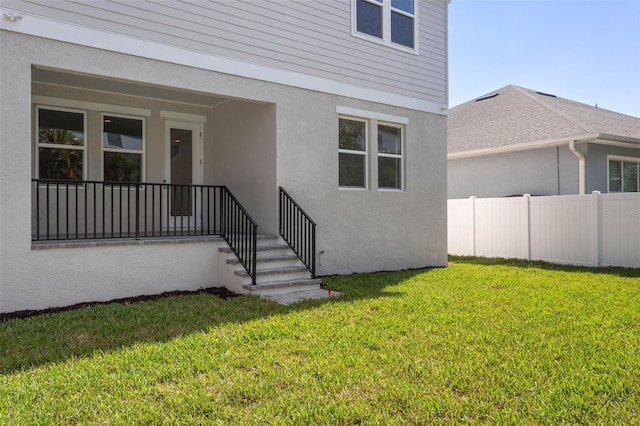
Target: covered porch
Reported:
point(123, 159)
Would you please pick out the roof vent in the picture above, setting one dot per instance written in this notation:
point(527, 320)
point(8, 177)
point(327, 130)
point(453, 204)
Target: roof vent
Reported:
point(546, 94)
point(487, 97)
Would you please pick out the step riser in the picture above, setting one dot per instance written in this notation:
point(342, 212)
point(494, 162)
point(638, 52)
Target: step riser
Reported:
point(293, 263)
point(281, 290)
point(264, 279)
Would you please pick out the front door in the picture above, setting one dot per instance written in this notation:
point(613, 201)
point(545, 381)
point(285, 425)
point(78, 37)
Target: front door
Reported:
point(184, 169)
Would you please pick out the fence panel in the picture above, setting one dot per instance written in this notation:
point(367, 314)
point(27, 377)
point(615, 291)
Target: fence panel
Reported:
point(501, 227)
point(595, 230)
point(619, 237)
point(560, 229)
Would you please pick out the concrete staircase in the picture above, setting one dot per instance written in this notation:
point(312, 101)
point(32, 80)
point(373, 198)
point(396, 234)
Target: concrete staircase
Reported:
point(280, 274)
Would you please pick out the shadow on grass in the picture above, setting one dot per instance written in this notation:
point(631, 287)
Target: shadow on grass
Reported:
point(35, 341)
point(519, 263)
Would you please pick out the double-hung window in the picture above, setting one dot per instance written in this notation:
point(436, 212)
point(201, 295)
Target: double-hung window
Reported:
point(369, 165)
point(391, 22)
point(389, 156)
point(624, 174)
point(123, 148)
point(61, 143)
point(352, 152)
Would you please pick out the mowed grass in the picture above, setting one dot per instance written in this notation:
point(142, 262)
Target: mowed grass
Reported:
point(480, 342)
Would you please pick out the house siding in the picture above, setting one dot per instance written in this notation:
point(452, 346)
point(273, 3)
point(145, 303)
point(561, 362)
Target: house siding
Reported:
point(308, 37)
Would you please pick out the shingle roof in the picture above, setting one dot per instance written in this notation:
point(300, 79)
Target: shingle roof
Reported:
point(515, 115)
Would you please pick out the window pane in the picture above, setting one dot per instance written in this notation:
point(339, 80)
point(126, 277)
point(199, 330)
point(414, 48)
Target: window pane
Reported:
point(369, 18)
point(404, 5)
point(401, 29)
point(60, 127)
point(389, 173)
point(630, 177)
point(57, 163)
point(352, 170)
point(352, 135)
point(389, 140)
point(615, 176)
point(124, 133)
point(122, 167)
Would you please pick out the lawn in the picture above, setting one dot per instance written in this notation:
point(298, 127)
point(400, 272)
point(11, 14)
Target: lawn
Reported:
point(480, 342)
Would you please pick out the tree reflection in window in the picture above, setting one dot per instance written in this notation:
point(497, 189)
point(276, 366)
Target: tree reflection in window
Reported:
point(60, 144)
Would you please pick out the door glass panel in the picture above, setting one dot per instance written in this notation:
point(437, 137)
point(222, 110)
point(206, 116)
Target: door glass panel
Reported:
point(181, 171)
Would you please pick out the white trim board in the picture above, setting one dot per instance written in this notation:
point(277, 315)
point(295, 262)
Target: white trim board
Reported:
point(94, 106)
point(91, 37)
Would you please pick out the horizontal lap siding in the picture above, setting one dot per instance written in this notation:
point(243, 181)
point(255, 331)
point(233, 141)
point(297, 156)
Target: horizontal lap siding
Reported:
point(311, 37)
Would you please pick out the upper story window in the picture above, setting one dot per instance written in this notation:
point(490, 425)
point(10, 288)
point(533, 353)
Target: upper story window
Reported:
point(391, 22)
point(60, 149)
point(624, 174)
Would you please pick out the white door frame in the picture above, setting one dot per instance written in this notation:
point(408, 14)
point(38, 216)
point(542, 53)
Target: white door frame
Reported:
point(197, 129)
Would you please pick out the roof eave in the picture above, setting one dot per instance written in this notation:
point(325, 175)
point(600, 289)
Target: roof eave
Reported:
point(580, 138)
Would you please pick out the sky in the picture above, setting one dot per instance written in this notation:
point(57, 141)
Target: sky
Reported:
point(586, 51)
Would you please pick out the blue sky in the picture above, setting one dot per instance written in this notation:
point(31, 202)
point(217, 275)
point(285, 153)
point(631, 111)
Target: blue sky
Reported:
point(586, 51)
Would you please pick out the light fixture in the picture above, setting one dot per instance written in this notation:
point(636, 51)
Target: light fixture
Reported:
point(177, 141)
point(107, 120)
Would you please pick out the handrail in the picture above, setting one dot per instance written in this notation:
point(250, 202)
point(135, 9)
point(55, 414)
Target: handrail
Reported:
point(240, 231)
point(298, 230)
point(90, 209)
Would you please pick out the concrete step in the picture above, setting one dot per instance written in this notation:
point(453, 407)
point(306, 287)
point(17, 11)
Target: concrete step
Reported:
point(265, 258)
point(283, 286)
point(268, 274)
point(297, 296)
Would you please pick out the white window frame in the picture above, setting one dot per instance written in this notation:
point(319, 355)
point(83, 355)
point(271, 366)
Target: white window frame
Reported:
point(364, 153)
point(397, 156)
point(39, 145)
point(372, 120)
point(622, 159)
point(104, 149)
point(386, 25)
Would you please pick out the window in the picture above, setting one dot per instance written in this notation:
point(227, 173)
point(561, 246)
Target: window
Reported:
point(352, 151)
point(61, 143)
point(389, 156)
point(372, 165)
point(390, 22)
point(624, 174)
point(123, 147)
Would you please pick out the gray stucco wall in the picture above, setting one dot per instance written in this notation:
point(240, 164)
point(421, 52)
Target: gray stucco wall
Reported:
point(357, 230)
point(544, 171)
point(597, 164)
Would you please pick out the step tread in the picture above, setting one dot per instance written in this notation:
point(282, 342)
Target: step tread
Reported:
point(298, 296)
point(259, 247)
point(284, 283)
point(273, 271)
point(266, 259)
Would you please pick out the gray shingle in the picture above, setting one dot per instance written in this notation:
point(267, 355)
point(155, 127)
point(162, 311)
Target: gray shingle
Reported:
point(518, 115)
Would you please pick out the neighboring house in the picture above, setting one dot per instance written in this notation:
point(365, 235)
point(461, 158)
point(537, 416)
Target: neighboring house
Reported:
point(516, 141)
point(205, 106)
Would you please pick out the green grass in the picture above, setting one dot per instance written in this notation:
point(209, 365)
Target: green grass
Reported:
point(480, 342)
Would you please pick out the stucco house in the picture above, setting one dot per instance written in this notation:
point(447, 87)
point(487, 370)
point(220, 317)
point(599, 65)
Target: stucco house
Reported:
point(516, 141)
point(155, 146)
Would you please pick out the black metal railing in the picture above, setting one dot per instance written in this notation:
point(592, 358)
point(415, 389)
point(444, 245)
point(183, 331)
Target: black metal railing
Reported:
point(240, 231)
point(298, 230)
point(74, 210)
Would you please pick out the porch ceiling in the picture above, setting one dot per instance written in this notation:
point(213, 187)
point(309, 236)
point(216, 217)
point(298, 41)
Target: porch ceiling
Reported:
point(83, 81)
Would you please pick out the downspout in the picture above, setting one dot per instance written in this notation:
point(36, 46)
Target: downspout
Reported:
point(582, 169)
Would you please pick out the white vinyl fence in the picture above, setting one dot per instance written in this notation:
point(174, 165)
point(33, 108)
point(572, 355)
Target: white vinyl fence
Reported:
point(594, 230)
